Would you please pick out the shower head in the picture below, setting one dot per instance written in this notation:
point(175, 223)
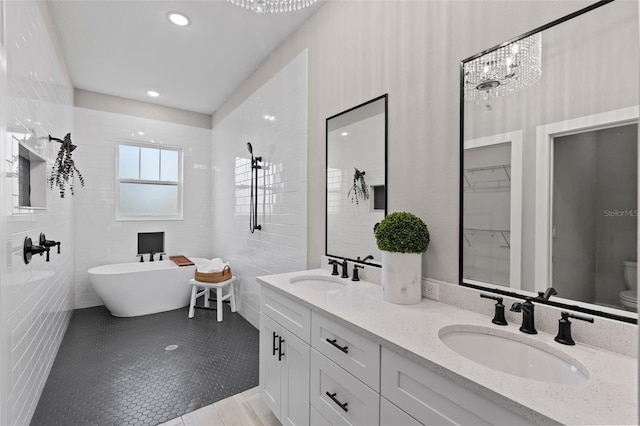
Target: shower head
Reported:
point(250, 148)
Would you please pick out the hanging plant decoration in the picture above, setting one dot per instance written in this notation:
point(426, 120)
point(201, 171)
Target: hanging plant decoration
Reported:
point(64, 169)
point(359, 188)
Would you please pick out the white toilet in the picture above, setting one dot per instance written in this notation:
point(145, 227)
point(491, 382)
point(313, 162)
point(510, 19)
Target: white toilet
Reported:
point(629, 297)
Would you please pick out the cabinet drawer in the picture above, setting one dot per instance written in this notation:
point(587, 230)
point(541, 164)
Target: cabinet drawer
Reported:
point(317, 419)
point(356, 354)
point(361, 404)
point(390, 415)
point(286, 312)
point(433, 399)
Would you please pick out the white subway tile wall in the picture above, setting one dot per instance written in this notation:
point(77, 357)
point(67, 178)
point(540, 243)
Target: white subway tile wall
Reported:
point(100, 238)
point(37, 299)
point(274, 120)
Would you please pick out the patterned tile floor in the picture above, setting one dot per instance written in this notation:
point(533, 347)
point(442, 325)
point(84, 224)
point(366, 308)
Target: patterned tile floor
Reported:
point(116, 371)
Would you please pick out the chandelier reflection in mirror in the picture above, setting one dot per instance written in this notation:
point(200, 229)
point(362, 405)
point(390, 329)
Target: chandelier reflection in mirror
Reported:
point(508, 69)
point(272, 6)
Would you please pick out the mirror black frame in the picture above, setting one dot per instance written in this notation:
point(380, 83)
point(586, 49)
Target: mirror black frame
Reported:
point(511, 293)
point(326, 165)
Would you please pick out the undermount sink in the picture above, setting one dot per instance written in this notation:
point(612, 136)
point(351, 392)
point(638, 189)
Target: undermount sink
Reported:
point(513, 354)
point(318, 282)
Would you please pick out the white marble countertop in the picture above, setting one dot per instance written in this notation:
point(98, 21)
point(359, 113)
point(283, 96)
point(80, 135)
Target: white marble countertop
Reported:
point(608, 397)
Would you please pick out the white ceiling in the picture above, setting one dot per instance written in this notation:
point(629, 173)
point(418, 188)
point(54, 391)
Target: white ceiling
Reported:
point(124, 48)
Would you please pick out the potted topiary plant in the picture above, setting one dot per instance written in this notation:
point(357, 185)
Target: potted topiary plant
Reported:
point(402, 237)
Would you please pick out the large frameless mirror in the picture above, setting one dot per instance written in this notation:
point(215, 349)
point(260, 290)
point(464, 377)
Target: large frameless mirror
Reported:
point(549, 166)
point(356, 180)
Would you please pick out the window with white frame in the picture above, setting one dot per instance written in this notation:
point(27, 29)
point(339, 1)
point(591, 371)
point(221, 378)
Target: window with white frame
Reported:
point(149, 182)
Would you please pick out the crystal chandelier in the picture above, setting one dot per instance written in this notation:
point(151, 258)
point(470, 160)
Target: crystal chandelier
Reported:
point(508, 69)
point(272, 6)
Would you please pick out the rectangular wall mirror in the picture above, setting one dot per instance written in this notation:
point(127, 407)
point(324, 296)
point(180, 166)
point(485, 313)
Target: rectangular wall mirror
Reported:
point(356, 180)
point(549, 163)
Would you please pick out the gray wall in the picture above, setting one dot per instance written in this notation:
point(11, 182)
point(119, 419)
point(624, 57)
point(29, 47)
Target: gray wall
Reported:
point(565, 91)
point(617, 190)
point(411, 50)
point(574, 215)
point(594, 213)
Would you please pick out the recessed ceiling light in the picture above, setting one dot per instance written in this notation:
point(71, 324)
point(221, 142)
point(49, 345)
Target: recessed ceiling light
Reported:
point(140, 132)
point(344, 134)
point(153, 93)
point(179, 19)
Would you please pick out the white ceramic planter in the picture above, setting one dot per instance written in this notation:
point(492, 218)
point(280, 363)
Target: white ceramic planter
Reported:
point(402, 277)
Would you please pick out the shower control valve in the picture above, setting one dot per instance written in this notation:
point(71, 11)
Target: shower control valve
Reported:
point(48, 243)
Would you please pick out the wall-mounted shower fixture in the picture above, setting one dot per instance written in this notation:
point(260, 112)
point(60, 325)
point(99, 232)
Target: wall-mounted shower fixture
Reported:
point(29, 249)
point(253, 214)
point(48, 243)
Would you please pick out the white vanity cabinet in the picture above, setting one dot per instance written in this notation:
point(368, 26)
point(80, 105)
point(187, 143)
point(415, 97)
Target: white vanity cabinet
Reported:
point(317, 370)
point(284, 358)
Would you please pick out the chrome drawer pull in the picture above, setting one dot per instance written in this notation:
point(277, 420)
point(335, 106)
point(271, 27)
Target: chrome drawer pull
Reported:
point(334, 399)
point(344, 349)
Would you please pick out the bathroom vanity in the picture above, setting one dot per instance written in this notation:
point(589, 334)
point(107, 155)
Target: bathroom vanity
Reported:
point(332, 352)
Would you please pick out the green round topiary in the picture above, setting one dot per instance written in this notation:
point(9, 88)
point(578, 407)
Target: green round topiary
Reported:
point(402, 232)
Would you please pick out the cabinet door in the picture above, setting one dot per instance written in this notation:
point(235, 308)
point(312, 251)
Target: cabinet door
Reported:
point(295, 380)
point(269, 365)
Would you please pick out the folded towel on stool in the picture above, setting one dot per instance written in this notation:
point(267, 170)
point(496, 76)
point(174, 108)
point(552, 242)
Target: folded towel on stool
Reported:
point(213, 265)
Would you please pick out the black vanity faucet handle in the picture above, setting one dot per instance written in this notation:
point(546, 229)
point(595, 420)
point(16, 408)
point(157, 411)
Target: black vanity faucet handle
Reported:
point(58, 244)
point(334, 262)
point(355, 276)
point(47, 250)
point(564, 328)
point(161, 254)
point(498, 316)
point(578, 317)
point(340, 404)
point(334, 343)
point(141, 257)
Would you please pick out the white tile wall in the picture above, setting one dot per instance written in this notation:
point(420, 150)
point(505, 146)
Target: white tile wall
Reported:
point(281, 245)
point(37, 298)
point(100, 239)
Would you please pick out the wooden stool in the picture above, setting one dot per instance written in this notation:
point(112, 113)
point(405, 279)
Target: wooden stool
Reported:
point(207, 287)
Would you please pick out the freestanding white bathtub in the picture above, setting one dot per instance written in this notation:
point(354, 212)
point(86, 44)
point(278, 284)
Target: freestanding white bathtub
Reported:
point(134, 289)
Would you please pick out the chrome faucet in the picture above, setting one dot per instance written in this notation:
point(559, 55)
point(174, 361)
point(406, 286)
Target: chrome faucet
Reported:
point(528, 319)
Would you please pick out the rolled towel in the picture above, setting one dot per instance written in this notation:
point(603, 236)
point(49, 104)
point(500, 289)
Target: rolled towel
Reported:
point(204, 266)
point(209, 266)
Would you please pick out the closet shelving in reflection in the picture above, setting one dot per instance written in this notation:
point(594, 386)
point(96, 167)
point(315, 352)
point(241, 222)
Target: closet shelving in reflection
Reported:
point(502, 236)
point(489, 178)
